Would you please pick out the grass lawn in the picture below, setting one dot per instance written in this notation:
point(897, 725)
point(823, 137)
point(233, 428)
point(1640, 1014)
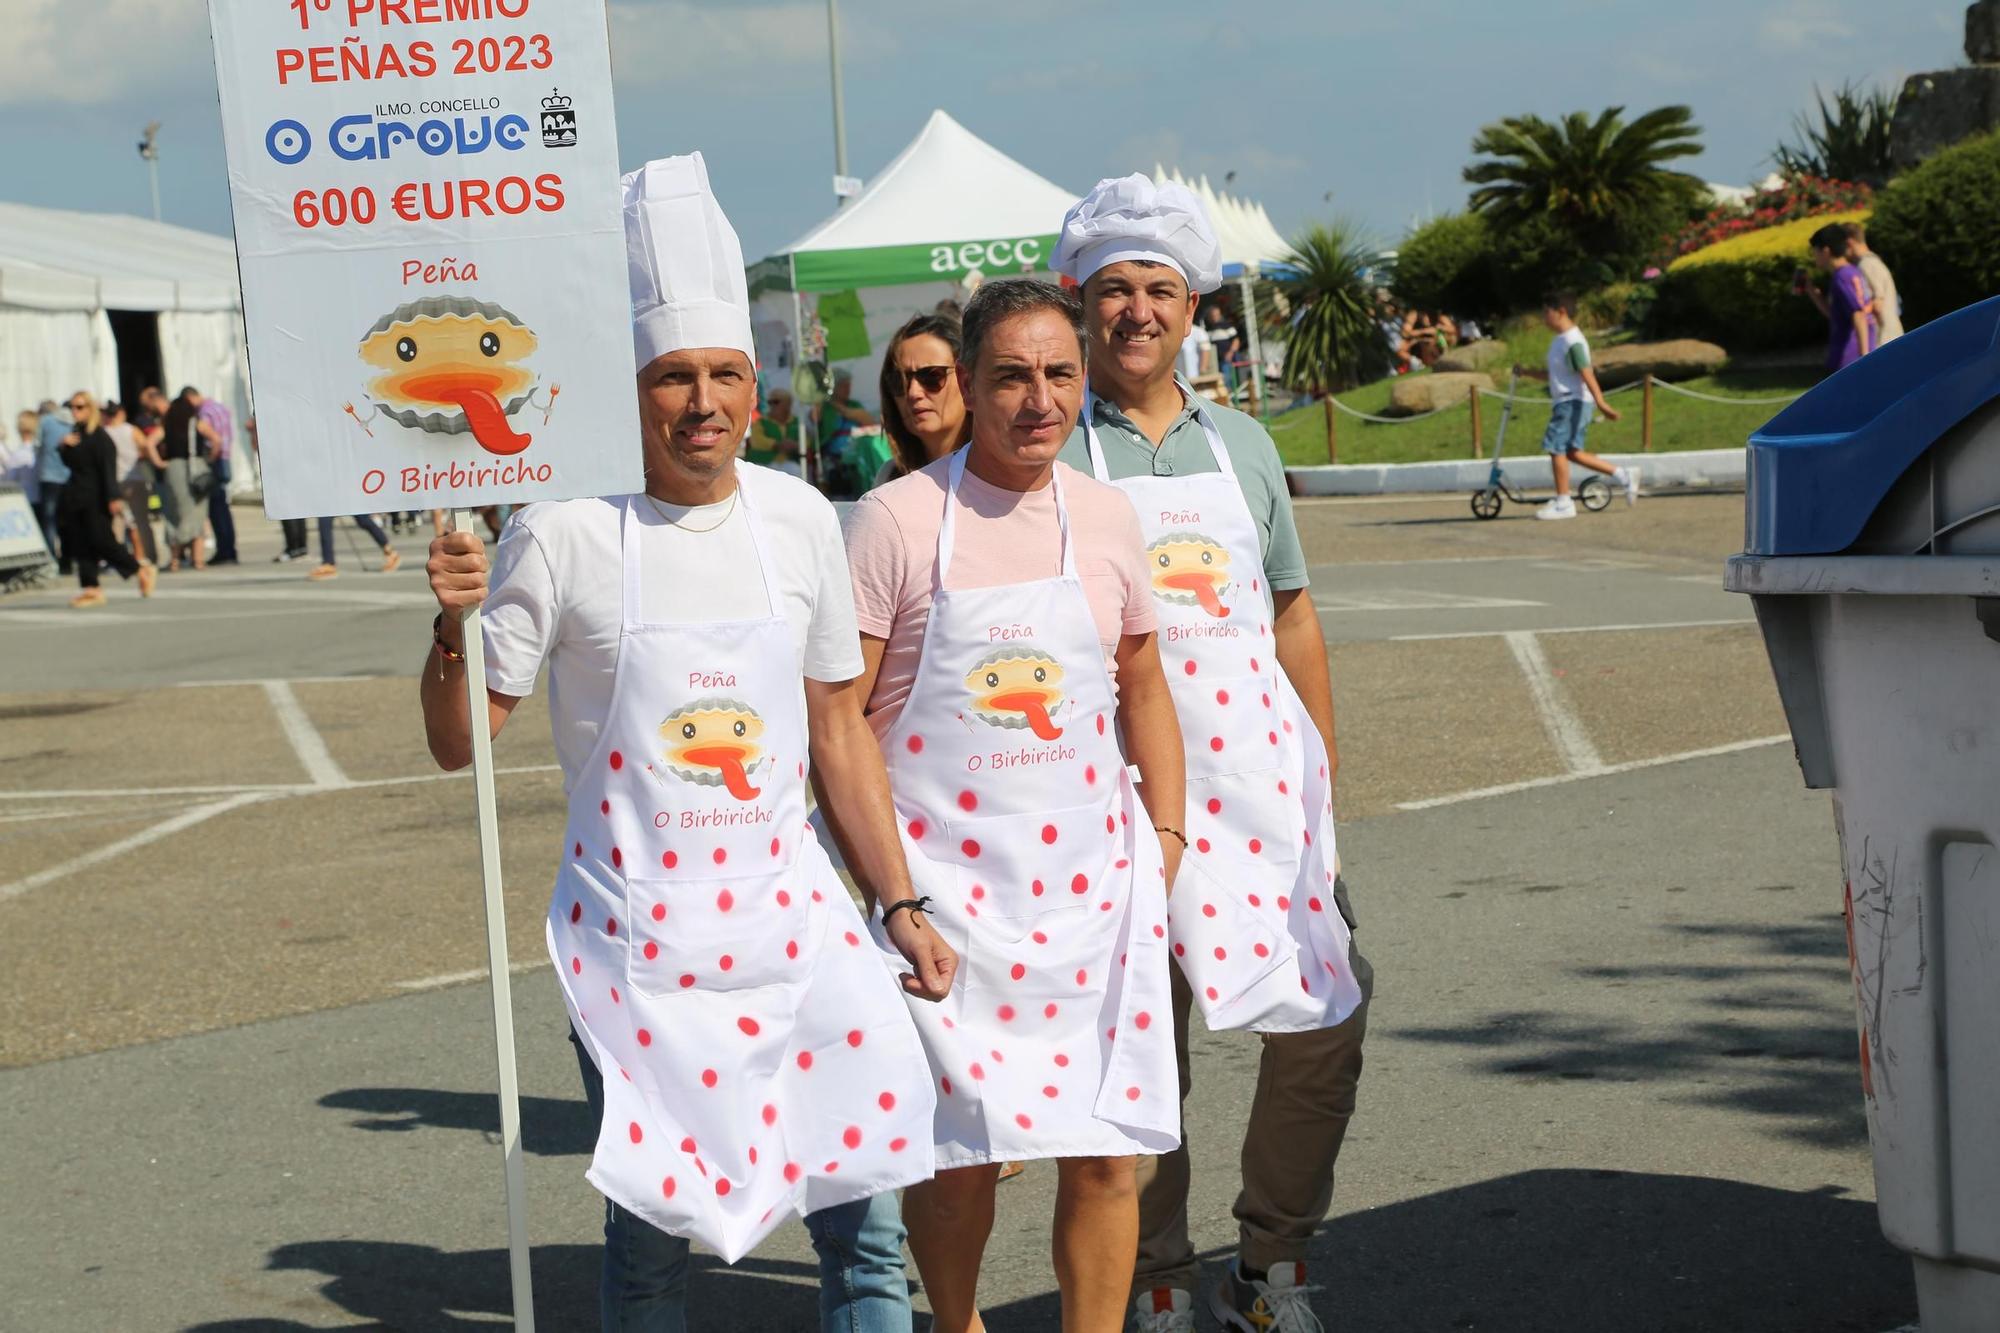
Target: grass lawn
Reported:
point(1678, 422)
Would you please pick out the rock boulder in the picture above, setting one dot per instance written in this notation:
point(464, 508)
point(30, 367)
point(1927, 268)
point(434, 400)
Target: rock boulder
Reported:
point(1676, 359)
point(1481, 355)
point(1982, 32)
point(1427, 392)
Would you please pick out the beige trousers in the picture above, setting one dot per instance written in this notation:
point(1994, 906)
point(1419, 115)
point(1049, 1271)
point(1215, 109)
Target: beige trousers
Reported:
point(1298, 1116)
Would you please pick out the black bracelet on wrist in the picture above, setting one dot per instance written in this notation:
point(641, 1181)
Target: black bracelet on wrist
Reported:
point(914, 904)
point(437, 640)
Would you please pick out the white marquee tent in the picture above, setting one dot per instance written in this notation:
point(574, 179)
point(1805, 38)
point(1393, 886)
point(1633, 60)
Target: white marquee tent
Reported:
point(1250, 243)
point(948, 207)
point(63, 274)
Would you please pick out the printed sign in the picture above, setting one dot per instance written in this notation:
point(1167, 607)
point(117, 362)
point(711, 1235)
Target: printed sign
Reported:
point(433, 258)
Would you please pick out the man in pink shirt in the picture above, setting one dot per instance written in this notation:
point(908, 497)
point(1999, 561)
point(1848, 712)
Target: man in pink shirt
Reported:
point(1011, 671)
point(892, 538)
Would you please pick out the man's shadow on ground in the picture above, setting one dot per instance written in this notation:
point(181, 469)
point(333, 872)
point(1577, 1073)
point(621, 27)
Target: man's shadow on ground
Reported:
point(1578, 1250)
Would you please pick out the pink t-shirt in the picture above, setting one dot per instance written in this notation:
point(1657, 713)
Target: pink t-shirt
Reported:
point(1003, 537)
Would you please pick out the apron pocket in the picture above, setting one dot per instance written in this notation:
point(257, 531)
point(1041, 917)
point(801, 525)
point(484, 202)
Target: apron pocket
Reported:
point(1222, 947)
point(1230, 724)
point(702, 935)
point(1020, 866)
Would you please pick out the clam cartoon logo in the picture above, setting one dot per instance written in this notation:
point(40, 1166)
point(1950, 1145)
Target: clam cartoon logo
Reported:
point(1017, 687)
point(714, 742)
point(1190, 569)
point(449, 365)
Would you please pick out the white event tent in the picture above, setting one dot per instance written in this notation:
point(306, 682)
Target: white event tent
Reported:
point(72, 285)
point(1251, 248)
point(947, 212)
point(1250, 243)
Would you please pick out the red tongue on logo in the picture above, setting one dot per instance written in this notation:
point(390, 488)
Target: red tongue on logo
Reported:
point(1203, 588)
point(730, 761)
point(488, 420)
point(1033, 706)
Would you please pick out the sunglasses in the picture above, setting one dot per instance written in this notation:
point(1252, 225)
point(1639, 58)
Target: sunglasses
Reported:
point(79, 406)
point(931, 377)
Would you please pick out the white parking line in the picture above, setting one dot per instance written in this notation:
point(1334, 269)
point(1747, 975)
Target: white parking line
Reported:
point(444, 979)
point(1565, 728)
point(186, 819)
point(289, 680)
point(1630, 765)
point(307, 743)
point(1574, 629)
point(1413, 599)
point(260, 789)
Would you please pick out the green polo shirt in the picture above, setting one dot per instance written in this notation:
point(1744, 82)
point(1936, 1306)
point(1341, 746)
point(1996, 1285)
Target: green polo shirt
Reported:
point(1185, 450)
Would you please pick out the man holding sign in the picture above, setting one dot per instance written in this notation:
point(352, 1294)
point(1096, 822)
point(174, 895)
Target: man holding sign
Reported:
point(746, 1052)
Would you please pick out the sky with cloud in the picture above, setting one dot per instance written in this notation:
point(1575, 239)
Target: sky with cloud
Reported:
point(1320, 107)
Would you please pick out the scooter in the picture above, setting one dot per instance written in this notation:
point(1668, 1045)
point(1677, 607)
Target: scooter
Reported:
point(1593, 494)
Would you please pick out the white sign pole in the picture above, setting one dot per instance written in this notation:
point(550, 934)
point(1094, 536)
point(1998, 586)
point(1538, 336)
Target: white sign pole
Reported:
point(496, 957)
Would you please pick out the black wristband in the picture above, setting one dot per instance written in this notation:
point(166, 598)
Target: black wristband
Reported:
point(914, 904)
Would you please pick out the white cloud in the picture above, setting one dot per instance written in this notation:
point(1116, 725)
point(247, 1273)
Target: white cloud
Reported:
point(1801, 25)
point(89, 52)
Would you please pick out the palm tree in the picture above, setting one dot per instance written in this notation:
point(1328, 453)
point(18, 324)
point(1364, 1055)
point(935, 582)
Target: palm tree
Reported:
point(1850, 142)
point(1328, 302)
point(1602, 181)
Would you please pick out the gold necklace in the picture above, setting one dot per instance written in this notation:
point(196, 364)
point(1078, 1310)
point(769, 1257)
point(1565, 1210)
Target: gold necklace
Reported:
point(711, 527)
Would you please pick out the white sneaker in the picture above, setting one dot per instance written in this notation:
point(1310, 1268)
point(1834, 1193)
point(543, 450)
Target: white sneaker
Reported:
point(1163, 1310)
point(1631, 485)
point(1560, 507)
point(1281, 1303)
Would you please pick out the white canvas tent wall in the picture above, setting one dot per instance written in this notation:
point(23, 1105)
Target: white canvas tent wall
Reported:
point(949, 206)
point(60, 272)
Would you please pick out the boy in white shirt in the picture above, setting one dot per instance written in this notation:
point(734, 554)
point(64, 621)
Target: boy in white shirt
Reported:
point(1573, 391)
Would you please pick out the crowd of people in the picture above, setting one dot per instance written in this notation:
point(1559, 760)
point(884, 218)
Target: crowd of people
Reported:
point(96, 472)
point(1060, 663)
point(93, 470)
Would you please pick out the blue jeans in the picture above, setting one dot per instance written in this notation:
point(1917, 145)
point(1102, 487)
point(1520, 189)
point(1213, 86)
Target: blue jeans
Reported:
point(219, 517)
point(862, 1288)
point(1568, 420)
point(366, 522)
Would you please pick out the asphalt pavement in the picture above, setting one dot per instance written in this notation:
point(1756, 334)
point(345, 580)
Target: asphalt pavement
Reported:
point(246, 1075)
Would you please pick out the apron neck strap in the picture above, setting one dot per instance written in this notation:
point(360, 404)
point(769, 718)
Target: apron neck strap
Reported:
point(1102, 470)
point(948, 528)
point(634, 564)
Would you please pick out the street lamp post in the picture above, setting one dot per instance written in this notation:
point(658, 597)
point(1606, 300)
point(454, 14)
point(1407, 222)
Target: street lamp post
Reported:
point(149, 148)
point(839, 108)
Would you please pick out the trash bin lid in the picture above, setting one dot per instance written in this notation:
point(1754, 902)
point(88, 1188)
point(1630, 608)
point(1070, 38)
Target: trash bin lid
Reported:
point(1819, 469)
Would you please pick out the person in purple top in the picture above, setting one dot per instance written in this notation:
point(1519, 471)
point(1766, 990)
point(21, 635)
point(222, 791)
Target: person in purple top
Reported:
point(1850, 327)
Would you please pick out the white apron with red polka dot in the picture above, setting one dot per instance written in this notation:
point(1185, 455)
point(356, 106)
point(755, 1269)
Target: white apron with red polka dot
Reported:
point(1254, 925)
point(758, 1060)
point(1021, 821)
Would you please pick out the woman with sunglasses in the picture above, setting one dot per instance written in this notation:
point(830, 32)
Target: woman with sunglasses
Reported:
point(90, 501)
point(922, 410)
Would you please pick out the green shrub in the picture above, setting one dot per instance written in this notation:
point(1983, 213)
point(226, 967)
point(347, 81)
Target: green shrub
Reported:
point(1615, 305)
point(1448, 265)
point(1738, 292)
point(1938, 229)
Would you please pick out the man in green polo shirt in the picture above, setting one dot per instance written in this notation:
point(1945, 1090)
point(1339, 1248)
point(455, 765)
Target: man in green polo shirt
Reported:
point(1229, 577)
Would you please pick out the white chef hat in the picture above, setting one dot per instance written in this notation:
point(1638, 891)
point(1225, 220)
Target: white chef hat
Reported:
point(684, 263)
point(1131, 217)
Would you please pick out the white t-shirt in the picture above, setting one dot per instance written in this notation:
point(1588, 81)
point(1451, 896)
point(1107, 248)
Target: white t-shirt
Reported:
point(126, 441)
point(1192, 348)
point(557, 595)
point(1568, 354)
